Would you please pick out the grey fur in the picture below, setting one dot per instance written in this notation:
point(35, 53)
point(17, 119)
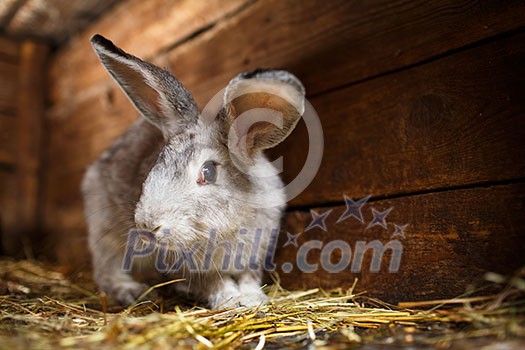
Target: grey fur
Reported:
point(147, 179)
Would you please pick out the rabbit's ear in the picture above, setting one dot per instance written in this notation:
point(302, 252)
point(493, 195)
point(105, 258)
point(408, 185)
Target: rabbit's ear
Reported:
point(261, 109)
point(156, 94)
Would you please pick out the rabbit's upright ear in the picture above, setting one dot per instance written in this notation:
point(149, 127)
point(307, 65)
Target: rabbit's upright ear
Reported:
point(261, 109)
point(156, 94)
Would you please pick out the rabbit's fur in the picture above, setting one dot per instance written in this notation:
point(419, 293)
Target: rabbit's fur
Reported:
point(148, 180)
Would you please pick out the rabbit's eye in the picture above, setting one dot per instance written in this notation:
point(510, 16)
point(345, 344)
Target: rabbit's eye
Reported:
point(208, 173)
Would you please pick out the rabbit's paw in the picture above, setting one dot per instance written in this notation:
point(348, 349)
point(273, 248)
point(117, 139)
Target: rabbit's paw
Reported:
point(126, 293)
point(252, 295)
point(226, 295)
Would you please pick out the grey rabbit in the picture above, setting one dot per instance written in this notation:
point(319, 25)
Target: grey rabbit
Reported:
point(184, 178)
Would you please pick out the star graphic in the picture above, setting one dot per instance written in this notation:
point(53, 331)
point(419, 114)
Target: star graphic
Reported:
point(292, 239)
point(379, 218)
point(399, 231)
point(318, 220)
point(353, 208)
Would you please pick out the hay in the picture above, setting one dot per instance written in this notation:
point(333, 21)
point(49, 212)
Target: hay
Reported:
point(42, 309)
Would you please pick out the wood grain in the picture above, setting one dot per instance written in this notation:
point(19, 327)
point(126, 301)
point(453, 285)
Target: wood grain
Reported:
point(328, 44)
point(30, 119)
point(144, 28)
point(9, 54)
point(87, 131)
point(452, 239)
point(8, 86)
point(8, 209)
point(8, 129)
point(9, 50)
point(456, 121)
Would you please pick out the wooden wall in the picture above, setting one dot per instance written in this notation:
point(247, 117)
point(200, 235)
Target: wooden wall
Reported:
point(9, 64)
point(22, 87)
point(422, 106)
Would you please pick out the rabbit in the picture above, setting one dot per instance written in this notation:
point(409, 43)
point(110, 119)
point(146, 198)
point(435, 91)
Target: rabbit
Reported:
point(183, 179)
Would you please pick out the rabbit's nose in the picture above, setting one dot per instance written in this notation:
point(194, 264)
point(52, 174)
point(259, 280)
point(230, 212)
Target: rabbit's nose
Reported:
point(158, 231)
point(152, 228)
point(162, 233)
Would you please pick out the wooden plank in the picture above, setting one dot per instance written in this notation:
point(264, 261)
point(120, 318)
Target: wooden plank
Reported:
point(144, 28)
point(69, 242)
point(70, 147)
point(351, 41)
point(55, 20)
point(326, 43)
point(9, 50)
point(456, 121)
point(8, 86)
point(29, 136)
point(451, 240)
point(8, 208)
point(65, 211)
point(8, 131)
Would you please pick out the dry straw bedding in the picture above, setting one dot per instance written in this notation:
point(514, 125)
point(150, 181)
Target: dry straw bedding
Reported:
point(40, 308)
